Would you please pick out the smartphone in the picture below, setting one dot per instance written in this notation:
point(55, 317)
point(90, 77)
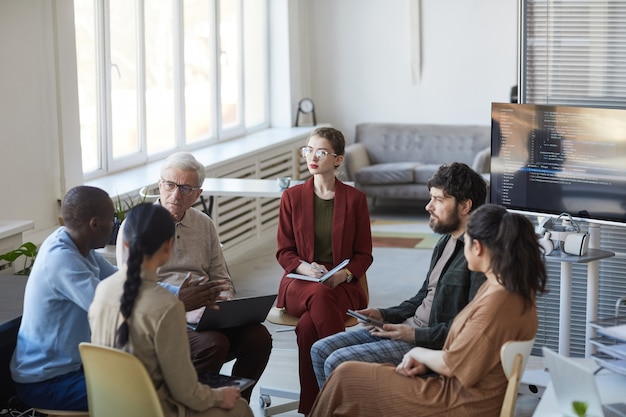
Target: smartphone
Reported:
point(366, 319)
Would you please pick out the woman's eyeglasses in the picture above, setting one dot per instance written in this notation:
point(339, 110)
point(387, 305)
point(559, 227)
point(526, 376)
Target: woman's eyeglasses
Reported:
point(320, 154)
point(183, 188)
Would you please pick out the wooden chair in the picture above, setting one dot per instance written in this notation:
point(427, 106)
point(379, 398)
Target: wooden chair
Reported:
point(279, 316)
point(117, 383)
point(513, 355)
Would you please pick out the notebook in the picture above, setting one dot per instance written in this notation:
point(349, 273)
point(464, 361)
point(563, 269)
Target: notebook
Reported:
point(323, 277)
point(573, 381)
point(235, 312)
point(218, 380)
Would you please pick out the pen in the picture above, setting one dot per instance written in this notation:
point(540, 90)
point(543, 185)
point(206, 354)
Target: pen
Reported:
point(314, 267)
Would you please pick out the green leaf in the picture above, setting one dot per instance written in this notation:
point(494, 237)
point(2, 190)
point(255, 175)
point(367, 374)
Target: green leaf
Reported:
point(122, 206)
point(28, 250)
point(580, 408)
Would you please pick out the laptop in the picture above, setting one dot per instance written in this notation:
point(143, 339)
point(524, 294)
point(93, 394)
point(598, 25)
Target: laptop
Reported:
point(235, 312)
point(219, 380)
point(573, 381)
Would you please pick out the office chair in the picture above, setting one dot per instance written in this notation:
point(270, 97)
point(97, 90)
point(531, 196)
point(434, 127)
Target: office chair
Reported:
point(513, 355)
point(8, 338)
point(117, 383)
point(279, 316)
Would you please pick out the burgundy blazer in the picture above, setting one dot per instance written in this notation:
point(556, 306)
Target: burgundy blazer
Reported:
point(351, 235)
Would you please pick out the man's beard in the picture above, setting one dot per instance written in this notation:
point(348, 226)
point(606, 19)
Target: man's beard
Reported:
point(445, 227)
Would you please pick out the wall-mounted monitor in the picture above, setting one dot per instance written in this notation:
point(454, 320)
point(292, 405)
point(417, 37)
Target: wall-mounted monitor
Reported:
point(555, 159)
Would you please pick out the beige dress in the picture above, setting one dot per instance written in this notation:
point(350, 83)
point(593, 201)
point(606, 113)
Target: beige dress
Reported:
point(158, 337)
point(471, 351)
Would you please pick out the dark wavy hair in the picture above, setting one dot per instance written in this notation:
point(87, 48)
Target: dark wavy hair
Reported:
point(461, 182)
point(516, 259)
point(146, 228)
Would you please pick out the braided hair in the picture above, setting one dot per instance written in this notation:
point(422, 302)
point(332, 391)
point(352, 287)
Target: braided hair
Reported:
point(146, 228)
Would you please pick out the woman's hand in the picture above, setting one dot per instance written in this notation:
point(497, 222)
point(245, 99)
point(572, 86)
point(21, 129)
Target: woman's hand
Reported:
point(419, 360)
point(312, 269)
point(231, 395)
point(338, 278)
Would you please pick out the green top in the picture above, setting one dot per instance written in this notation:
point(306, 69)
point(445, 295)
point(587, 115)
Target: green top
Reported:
point(323, 213)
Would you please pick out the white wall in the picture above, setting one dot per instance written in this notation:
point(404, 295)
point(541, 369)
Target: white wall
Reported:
point(353, 60)
point(29, 138)
point(361, 60)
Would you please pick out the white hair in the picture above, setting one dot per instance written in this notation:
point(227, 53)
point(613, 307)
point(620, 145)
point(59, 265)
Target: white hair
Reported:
point(185, 162)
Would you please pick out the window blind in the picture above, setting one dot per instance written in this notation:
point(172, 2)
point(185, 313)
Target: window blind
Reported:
point(573, 53)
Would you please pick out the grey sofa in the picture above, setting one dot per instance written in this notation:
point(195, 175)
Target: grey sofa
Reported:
point(392, 160)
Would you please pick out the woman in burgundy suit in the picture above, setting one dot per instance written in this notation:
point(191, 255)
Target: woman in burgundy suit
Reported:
point(321, 223)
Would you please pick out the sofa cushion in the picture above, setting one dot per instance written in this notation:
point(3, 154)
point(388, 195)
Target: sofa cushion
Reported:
point(423, 143)
point(392, 173)
point(423, 172)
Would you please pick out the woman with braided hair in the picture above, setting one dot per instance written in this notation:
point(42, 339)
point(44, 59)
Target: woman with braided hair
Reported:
point(132, 312)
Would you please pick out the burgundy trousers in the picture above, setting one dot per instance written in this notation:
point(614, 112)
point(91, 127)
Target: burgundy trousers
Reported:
point(322, 312)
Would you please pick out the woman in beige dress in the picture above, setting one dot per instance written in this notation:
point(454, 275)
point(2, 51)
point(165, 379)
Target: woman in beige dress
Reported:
point(466, 377)
point(132, 312)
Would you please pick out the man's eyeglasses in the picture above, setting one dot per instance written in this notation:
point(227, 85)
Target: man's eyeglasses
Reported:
point(320, 154)
point(183, 188)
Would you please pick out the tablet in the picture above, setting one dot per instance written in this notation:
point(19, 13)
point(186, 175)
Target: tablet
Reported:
point(363, 318)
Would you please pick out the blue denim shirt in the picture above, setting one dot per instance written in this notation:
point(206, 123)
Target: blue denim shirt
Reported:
point(456, 287)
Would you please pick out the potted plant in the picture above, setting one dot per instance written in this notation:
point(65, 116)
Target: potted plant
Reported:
point(28, 250)
point(121, 207)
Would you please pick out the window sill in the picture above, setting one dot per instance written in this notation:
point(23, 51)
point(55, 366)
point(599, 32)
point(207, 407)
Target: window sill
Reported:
point(130, 181)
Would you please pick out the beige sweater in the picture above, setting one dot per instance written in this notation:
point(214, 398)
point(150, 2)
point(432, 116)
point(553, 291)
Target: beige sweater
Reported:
point(157, 337)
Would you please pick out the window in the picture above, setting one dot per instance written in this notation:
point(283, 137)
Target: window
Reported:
point(161, 75)
point(573, 52)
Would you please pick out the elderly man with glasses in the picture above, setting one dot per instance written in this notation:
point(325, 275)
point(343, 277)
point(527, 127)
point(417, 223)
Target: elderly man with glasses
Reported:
point(196, 265)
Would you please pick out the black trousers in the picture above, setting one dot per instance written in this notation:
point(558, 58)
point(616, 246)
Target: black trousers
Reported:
point(249, 345)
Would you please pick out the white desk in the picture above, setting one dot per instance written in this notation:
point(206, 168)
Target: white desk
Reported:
point(236, 187)
point(610, 385)
point(9, 228)
point(243, 187)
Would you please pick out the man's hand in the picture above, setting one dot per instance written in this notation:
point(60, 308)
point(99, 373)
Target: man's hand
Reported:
point(402, 332)
point(231, 395)
point(202, 292)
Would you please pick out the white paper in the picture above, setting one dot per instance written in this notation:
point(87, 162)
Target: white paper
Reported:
point(323, 277)
point(616, 332)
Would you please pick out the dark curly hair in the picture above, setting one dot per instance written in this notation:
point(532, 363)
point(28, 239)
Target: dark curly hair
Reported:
point(461, 182)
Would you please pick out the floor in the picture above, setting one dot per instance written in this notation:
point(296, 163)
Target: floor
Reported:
point(393, 274)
